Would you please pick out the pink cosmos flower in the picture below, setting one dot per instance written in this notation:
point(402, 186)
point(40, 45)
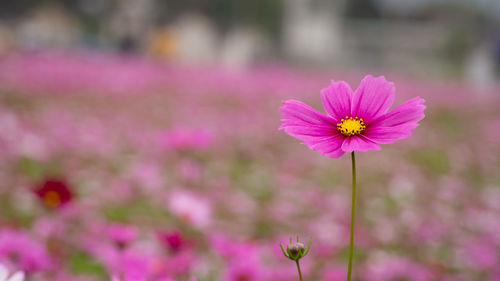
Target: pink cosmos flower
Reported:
point(355, 121)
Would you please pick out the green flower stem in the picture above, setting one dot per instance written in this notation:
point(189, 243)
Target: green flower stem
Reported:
point(298, 268)
point(353, 205)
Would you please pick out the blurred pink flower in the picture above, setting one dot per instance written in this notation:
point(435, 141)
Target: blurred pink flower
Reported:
point(385, 267)
point(232, 250)
point(191, 208)
point(139, 266)
point(17, 247)
point(334, 274)
point(64, 275)
point(480, 253)
point(48, 226)
point(184, 138)
point(122, 234)
point(180, 263)
point(147, 175)
point(243, 270)
point(116, 278)
point(190, 170)
point(355, 121)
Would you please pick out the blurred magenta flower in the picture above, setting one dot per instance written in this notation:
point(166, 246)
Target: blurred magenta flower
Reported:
point(54, 193)
point(172, 240)
point(356, 121)
point(23, 251)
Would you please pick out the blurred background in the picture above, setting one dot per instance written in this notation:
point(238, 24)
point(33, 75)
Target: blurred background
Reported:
point(139, 139)
point(446, 37)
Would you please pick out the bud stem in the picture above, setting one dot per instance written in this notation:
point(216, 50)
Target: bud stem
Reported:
point(353, 204)
point(298, 268)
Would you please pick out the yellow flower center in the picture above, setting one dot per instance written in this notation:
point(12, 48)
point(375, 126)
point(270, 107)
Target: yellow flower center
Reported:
point(350, 126)
point(52, 199)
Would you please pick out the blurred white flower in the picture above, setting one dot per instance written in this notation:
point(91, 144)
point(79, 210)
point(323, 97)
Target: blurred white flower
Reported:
point(190, 207)
point(4, 273)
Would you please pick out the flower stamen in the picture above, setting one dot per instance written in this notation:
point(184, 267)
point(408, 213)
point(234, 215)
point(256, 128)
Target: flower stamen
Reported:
point(52, 199)
point(350, 126)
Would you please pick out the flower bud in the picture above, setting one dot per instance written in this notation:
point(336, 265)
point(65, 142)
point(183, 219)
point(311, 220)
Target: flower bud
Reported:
point(295, 251)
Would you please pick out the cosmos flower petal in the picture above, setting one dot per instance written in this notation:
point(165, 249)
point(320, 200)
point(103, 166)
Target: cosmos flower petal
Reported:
point(372, 98)
point(389, 134)
point(316, 130)
point(336, 99)
point(298, 113)
point(359, 143)
point(411, 111)
point(329, 146)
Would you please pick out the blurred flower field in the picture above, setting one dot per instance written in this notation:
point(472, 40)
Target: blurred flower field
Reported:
point(124, 166)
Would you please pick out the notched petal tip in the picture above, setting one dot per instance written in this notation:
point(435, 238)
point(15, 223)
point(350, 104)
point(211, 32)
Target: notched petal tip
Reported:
point(380, 78)
point(373, 97)
point(336, 99)
point(398, 123)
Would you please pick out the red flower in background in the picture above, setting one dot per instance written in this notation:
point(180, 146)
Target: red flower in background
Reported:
point(54, 193)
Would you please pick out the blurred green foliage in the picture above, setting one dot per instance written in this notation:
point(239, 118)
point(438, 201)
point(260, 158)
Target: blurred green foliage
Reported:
point(81, 262)
point(435, 161)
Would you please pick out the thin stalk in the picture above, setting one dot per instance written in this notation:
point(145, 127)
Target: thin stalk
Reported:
point(298, 268)
point(353, 205)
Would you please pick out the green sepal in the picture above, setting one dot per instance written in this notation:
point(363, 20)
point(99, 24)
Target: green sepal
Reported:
point(284, 252)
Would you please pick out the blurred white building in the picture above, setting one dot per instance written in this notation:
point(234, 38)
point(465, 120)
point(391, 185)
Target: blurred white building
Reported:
point(48, 27)
point(312, 30)
point(198, 39)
